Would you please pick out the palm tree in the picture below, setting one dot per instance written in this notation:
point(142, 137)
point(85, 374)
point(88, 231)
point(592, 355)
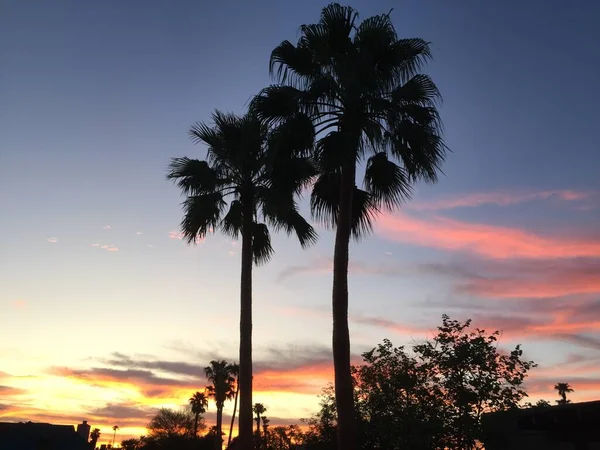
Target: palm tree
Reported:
point(260, 170)
point(265, 425)
point(359, 85)
point(235, 371)
point(94, 436)
point(221, 389)
point(115, 428)
point(563, 389)
point(199, 404)
point(259, 409)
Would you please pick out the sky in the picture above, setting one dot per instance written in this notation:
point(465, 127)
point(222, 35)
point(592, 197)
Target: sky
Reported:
point(106, 314)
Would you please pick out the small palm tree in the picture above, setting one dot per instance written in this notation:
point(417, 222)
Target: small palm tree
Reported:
point(260, 170)
point(359, 84)
point(563, 389)
point(259, 410)
point(265, 426)
point(94, 436)
point(199, 404)
point(115, 428)
point(221, 389)
point(235, 371)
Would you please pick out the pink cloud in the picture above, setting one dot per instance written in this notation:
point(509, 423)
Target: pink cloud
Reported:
point(95, 245)
point(109, 248)
point(486, 240)
point(175, 235)
point(500, 198)
point(52, 240)
point(107, 227)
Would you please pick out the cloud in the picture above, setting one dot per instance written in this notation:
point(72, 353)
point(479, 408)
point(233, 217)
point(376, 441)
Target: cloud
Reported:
point(126, 410)
point(499, 198)
point(139, 233)
point(95, 245)
point(485, 240)
point(20, 304)
point(52, 240)
point(109, 248)
point(175, 235)
point(107, 227)
point(6, 391)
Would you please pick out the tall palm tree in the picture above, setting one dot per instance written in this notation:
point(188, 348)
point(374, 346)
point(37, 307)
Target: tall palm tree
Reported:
point(221, 389)
point(265, 426)
point(235, 371)
point(259, 409)
point(359, 83)
point(563, 389)
point(259, 170)
point(199, 404)
point(115, 428)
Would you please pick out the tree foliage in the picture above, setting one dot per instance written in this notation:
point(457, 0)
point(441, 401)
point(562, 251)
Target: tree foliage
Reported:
point(430, 397)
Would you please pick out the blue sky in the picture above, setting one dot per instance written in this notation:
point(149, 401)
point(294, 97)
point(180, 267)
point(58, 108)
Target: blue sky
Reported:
point(97, 96)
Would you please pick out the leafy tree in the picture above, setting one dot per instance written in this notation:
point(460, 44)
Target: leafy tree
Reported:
point(429, 398)
point(219, 373)
point(259, 170)
point(563, 389)
point(130, 444)
point(359, 83)
point(168, 423)
point(198, 403)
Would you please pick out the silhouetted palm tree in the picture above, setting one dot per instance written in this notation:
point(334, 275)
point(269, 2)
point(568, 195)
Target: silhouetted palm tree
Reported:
point(221, 389)
point(260, 170)
point(265, 426)
point(563, 389)
point(259, 409)
point(94, 436)
point(199, 404)
point(115, 428)
point(360, 86)
point(235, 371)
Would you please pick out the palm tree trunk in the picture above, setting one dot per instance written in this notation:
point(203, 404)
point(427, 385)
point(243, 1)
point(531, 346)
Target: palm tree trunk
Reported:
point(344, 395)
point(245, 416)
point(219, 440)
point(237, 391)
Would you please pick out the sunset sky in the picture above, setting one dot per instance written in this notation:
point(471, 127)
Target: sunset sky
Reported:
point(106, 314)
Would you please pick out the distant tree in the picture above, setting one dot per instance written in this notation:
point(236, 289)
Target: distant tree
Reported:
point(219, 373)
point(115, 428)
point(259, 409)
point(235, 371)
point(563, 389)
point(94, 436)
point(265, 426)
point(199, 404)
point(538, 404)
point(260, 171)
point(131, 444)
point(168, 423)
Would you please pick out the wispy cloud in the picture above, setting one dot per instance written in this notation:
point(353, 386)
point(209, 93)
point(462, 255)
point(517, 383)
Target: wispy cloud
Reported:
point(108, 248)
point(107, 227)
point(175, 235)
point(500, 198)
point(139, 233)
point(486, 240)
point(52, 240)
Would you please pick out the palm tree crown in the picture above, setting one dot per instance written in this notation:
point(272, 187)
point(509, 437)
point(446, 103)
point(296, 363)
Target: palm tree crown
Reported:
point(199, 405)
point(563, 389)
point(359, 84)
point(258, 168)
point(222, 383)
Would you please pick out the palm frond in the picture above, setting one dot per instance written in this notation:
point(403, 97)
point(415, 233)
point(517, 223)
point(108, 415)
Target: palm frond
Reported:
point(420, 148)
point(325, 199)
point(419, 90)
point(232, 221)
point(261, 243)
point(201, 214)
point(192, 176)
point(276, 103)
point(387, 183)
point(289, 63)
point(293, 137)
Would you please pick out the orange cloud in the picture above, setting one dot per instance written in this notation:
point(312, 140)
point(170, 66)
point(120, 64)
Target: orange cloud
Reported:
point(486, 240)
